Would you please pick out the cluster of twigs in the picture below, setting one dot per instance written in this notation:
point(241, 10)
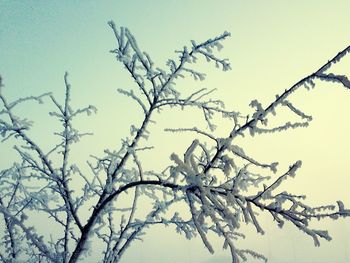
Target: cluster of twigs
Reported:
point(213, 178)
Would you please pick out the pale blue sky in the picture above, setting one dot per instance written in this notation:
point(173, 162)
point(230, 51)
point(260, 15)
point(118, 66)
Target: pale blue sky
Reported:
point(274, 43)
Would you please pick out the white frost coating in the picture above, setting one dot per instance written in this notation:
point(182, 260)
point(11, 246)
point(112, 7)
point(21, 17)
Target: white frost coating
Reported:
point(221, 184)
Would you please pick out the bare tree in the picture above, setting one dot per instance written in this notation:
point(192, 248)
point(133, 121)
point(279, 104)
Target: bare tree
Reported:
point(221, 185)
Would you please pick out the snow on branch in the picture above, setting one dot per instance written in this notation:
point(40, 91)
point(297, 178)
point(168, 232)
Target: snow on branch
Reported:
point(220, 184)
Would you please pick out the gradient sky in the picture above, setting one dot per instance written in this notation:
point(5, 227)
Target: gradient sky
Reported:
point(274, 44)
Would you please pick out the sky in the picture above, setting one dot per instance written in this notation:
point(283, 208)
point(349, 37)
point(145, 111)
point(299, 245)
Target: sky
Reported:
point(273, 45)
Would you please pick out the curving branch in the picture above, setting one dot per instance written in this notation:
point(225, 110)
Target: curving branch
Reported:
point(220, 184)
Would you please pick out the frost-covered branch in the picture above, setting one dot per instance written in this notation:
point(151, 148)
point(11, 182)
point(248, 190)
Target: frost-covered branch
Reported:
point(220, 184)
